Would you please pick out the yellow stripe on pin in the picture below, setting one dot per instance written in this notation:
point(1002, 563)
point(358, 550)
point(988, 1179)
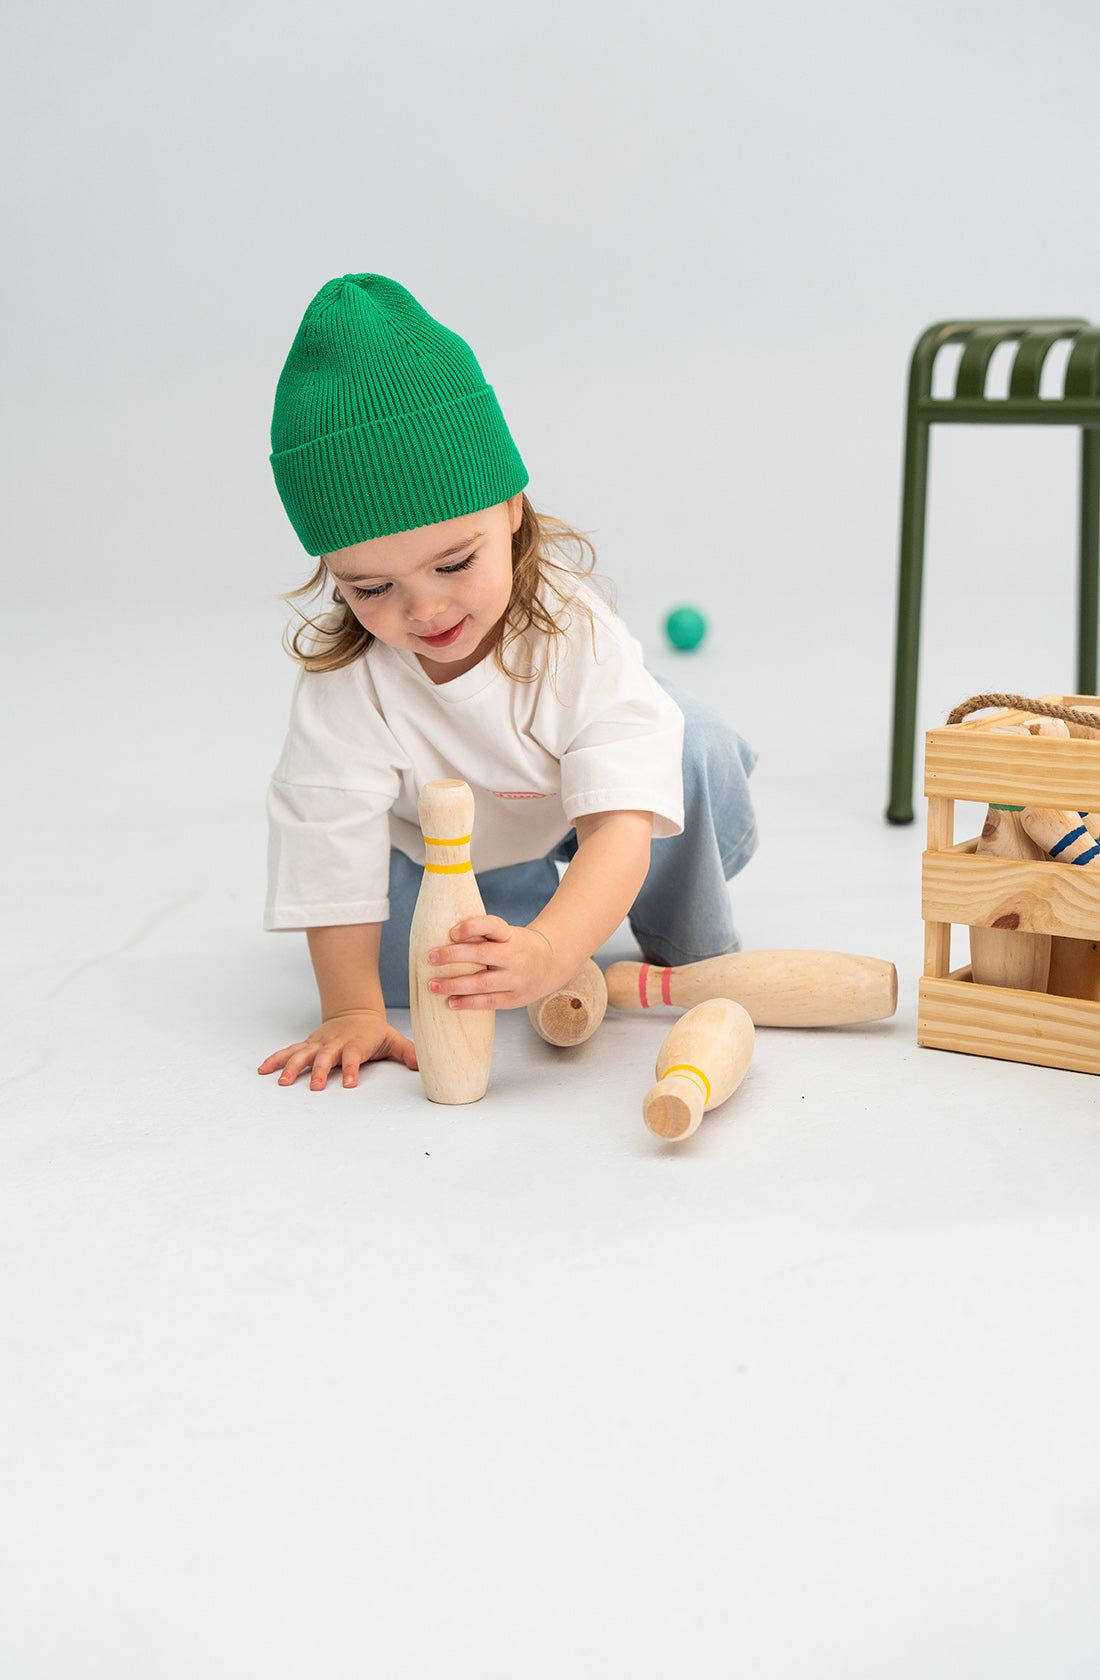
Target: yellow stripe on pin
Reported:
point(462, 840)
point(447, 868)
point(696, 1073)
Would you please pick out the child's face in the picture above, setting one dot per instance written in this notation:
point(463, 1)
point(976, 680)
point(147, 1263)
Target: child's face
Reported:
point(440, 590)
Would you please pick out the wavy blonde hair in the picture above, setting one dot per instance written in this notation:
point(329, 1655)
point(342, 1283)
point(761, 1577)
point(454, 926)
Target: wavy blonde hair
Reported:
point(545, 551)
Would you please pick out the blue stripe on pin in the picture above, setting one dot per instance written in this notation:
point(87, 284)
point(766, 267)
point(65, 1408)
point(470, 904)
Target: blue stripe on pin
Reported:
point(1067, 840)
point(1087, 857)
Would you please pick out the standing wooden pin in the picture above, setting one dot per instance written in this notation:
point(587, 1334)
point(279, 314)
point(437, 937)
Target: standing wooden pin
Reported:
point(701, 1063)
point(454, 1047)
point(1002, 955)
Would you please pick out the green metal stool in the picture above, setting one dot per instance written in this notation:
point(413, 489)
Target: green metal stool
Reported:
point(1079, 405)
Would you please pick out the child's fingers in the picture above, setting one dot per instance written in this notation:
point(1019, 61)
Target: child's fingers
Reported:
point(300, 1054)
point(468, 985)
point(319, 1077)
point(482, 1000)
point(466, 953)
point(300, 1057)
point(481, 927)
point(349, 1062)
point(402, 1049)
point(277, 1059)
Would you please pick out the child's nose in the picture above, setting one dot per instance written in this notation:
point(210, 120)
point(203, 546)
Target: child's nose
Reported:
point(427, 604)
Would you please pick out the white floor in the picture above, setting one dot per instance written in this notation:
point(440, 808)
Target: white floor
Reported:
point(349, 1384)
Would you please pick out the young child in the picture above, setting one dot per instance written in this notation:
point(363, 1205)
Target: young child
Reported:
point(463, 646)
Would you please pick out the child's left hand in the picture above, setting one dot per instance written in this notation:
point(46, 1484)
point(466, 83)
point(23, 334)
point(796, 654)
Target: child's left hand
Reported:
point(519, 965)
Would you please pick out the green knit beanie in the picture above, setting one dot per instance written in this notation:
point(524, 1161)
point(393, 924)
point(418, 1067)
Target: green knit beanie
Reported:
point(383, 420)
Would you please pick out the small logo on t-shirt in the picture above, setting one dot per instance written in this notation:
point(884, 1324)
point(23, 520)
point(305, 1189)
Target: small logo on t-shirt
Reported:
point(520, 795)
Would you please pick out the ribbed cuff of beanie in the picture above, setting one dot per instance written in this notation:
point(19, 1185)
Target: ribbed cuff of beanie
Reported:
point(400, 473)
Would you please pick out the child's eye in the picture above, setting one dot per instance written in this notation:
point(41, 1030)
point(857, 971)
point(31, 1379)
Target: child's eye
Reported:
point(378, 589)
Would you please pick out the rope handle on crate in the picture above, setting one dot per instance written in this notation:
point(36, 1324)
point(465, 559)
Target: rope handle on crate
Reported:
point(1020, 702)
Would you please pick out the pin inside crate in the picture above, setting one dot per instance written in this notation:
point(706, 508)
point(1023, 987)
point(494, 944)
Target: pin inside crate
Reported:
point(969, 761)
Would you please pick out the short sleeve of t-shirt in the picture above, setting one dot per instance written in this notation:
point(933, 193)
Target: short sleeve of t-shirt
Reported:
point(616, 733)
point(328, 806)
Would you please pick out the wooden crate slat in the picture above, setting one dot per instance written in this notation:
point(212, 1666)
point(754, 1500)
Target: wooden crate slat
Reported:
point(1011, 1026)
point(1042, 896)
point(1012, 769)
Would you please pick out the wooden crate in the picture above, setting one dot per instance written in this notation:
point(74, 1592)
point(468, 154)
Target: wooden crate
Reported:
point(965, 761)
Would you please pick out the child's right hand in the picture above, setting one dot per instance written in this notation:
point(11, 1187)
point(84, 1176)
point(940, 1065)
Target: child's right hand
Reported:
point(348, 1040)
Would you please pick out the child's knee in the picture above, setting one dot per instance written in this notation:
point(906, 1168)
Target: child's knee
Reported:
point(717, 761)
point(717, 766)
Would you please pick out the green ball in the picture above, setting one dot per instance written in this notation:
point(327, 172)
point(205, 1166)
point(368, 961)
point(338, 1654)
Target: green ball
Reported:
point(685, 627)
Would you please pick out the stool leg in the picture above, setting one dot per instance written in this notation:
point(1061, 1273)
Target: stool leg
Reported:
point(911, 566)
point(1088, 597)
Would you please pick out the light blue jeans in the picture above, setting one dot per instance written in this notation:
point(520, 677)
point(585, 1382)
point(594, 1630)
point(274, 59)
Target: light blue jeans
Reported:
point(682, 913)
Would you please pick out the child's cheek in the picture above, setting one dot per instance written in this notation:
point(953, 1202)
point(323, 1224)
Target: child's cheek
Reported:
point(385, 623)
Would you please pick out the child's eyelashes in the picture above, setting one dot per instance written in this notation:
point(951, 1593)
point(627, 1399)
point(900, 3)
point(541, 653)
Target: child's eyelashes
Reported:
point(378, 589)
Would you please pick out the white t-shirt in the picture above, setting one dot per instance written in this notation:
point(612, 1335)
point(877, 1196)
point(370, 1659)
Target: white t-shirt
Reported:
point(593, 731)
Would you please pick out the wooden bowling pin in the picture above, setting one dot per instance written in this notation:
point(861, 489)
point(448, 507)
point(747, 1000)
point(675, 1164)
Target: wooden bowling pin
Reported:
point(1047, 726)
point(1062, 835)
point(701, 1063)
point(1004, 956)
point(454, 1047)
point(778, 988)
point(1075, 963)
point(1075, 968)
point(572, 1013)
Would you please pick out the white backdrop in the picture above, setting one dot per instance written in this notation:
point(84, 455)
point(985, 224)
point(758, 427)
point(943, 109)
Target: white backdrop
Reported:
point(350, 1383)
point(691, 247)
